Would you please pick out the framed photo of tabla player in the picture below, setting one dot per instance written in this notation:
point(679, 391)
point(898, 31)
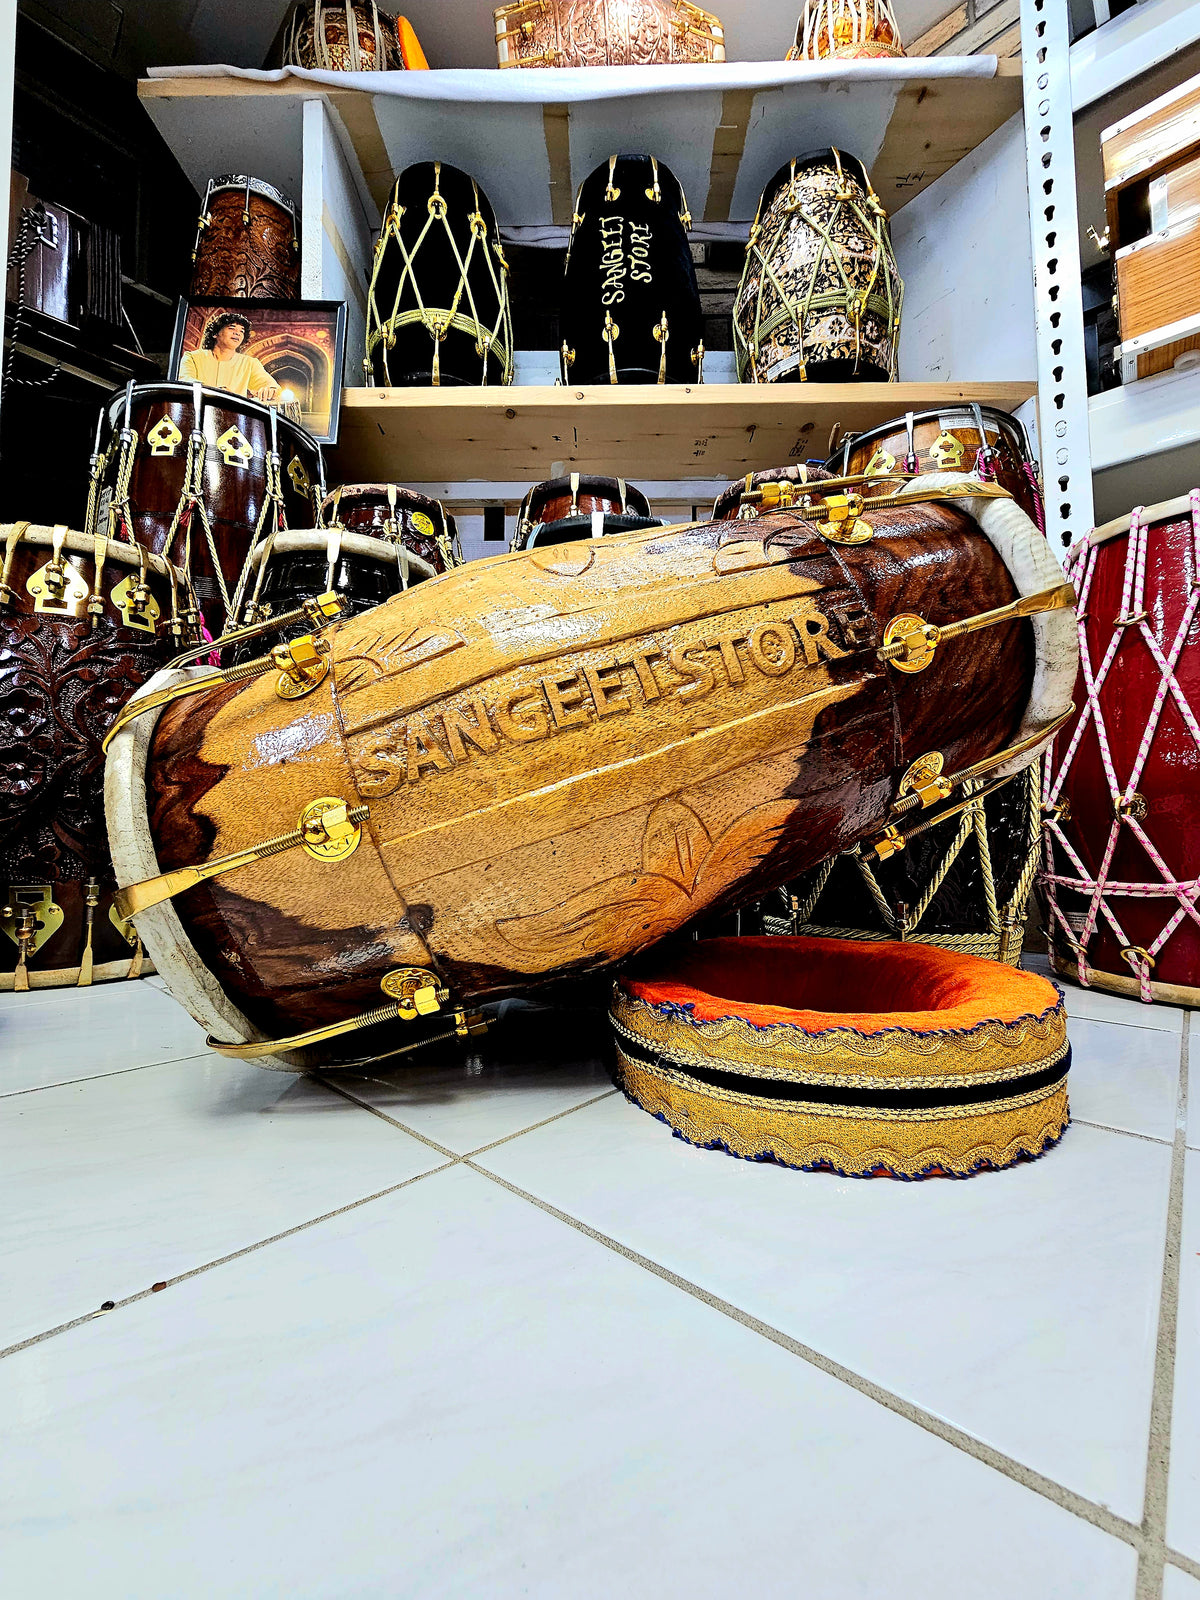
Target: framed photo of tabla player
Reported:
point(287, 353)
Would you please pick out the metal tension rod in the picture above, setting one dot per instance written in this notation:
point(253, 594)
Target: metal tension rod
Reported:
point(328, 829)
point(466, 1023)
point(909, 641)
point(324, 609)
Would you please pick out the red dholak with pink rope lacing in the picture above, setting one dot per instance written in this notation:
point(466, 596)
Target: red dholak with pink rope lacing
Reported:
point(1122, 786)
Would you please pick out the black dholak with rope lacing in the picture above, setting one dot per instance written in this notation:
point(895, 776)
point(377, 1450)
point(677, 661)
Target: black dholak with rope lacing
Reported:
point(820, 296)
point(631, 309)
point(962, 885)
point(201, 476)
point(438, 310)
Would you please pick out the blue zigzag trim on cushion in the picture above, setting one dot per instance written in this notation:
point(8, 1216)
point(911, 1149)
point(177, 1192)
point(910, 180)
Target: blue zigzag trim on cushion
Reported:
point(766, 1158)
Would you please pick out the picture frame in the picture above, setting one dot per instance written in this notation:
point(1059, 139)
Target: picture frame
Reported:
point(301, 344)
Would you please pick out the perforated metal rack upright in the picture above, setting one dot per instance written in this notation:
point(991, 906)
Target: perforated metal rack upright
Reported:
point(1058, 303)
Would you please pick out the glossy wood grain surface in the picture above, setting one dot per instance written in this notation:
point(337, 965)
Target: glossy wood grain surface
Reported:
point(571, 752)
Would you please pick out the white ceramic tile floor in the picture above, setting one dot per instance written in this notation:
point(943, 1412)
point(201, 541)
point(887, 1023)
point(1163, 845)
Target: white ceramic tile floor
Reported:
point(377, 1370)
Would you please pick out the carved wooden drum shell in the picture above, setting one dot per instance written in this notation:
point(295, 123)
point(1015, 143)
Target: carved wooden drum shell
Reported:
point(62, 680)
point(238, 434)
point(248, 246)
point(390, 511)
point(568, 753)
point(947, 441)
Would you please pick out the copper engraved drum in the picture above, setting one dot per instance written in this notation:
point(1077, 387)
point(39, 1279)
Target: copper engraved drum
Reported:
point(849, 30)
point(393, 513)
point(438, 309)
point(820, 296)
point(544, 762)
point(582, 505)
point(631, 310)
point(84, 621)
point(967, 438)
point(606, 33)
point(1123, 780)
point(200, 476)
point(247, 243)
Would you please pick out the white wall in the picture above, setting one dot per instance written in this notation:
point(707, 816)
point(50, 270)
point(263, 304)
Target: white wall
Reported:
point(964, 255)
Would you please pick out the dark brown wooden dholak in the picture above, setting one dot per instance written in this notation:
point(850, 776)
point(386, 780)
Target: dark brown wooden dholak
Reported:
point(234, 494)
point(390, 511)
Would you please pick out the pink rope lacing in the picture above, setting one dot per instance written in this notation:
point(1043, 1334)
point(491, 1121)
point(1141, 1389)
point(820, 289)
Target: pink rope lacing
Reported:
point(1133, 615)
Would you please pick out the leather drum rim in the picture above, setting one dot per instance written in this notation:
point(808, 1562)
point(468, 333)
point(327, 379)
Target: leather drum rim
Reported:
point(84, 544)
point(359, 544)
point(134, 858)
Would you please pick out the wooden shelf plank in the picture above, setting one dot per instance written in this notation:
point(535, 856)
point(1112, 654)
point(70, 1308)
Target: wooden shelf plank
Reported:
point(674, 432)
point(531, 138)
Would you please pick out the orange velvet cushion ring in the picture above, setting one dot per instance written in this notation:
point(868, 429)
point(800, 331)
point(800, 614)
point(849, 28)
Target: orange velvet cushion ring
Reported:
point(868, 1059)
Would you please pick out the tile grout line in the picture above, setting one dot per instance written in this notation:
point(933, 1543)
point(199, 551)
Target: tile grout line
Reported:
point(220, 1261)
point(1152, 1555)
point(405, 1127)
point(1176, 1558)
point(99, 1077)
point(1128, 1133)
point(452, 1160)
point(1066, 1499)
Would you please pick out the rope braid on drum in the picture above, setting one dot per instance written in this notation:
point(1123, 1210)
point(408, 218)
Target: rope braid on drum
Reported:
point(381, 333)
point(856, 302)
point(1081, 563)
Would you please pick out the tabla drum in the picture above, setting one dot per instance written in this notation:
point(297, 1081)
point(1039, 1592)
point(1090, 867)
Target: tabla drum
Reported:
point(1122, 793)
point(734, 503)
point(393, 513)
point(347, 36)
point(601, 33)
point(201, 476)
point(580, 506)
point(963, 885)
point(438, 309)
point(84, 621)
point(630, 308)
point(820, 295)
point(968, 438)
point(545, 762)
point(247, 242)
point(847, 30)
point(293, 567)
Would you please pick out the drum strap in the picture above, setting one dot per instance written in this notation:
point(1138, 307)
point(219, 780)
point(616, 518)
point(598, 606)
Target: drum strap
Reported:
point(7, 594)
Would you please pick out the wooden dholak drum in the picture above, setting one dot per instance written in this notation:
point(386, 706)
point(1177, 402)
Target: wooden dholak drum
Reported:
point(84, 621)
point(969, 438)
point(361, 571)
point(597, 33)
point(547, 761)
point(395, 514)
point(201, 476)
point(438, 310)
point(820, 295)
point(1122, 794)
point(580, 506)
point(247, 243)
point(630, 308)
point(846, 30)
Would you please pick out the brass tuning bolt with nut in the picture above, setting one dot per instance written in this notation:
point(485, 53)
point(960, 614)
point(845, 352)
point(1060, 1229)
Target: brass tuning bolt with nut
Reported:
point(302, 666)
point(910, 643)
point(320, 612)
point(328, 830)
